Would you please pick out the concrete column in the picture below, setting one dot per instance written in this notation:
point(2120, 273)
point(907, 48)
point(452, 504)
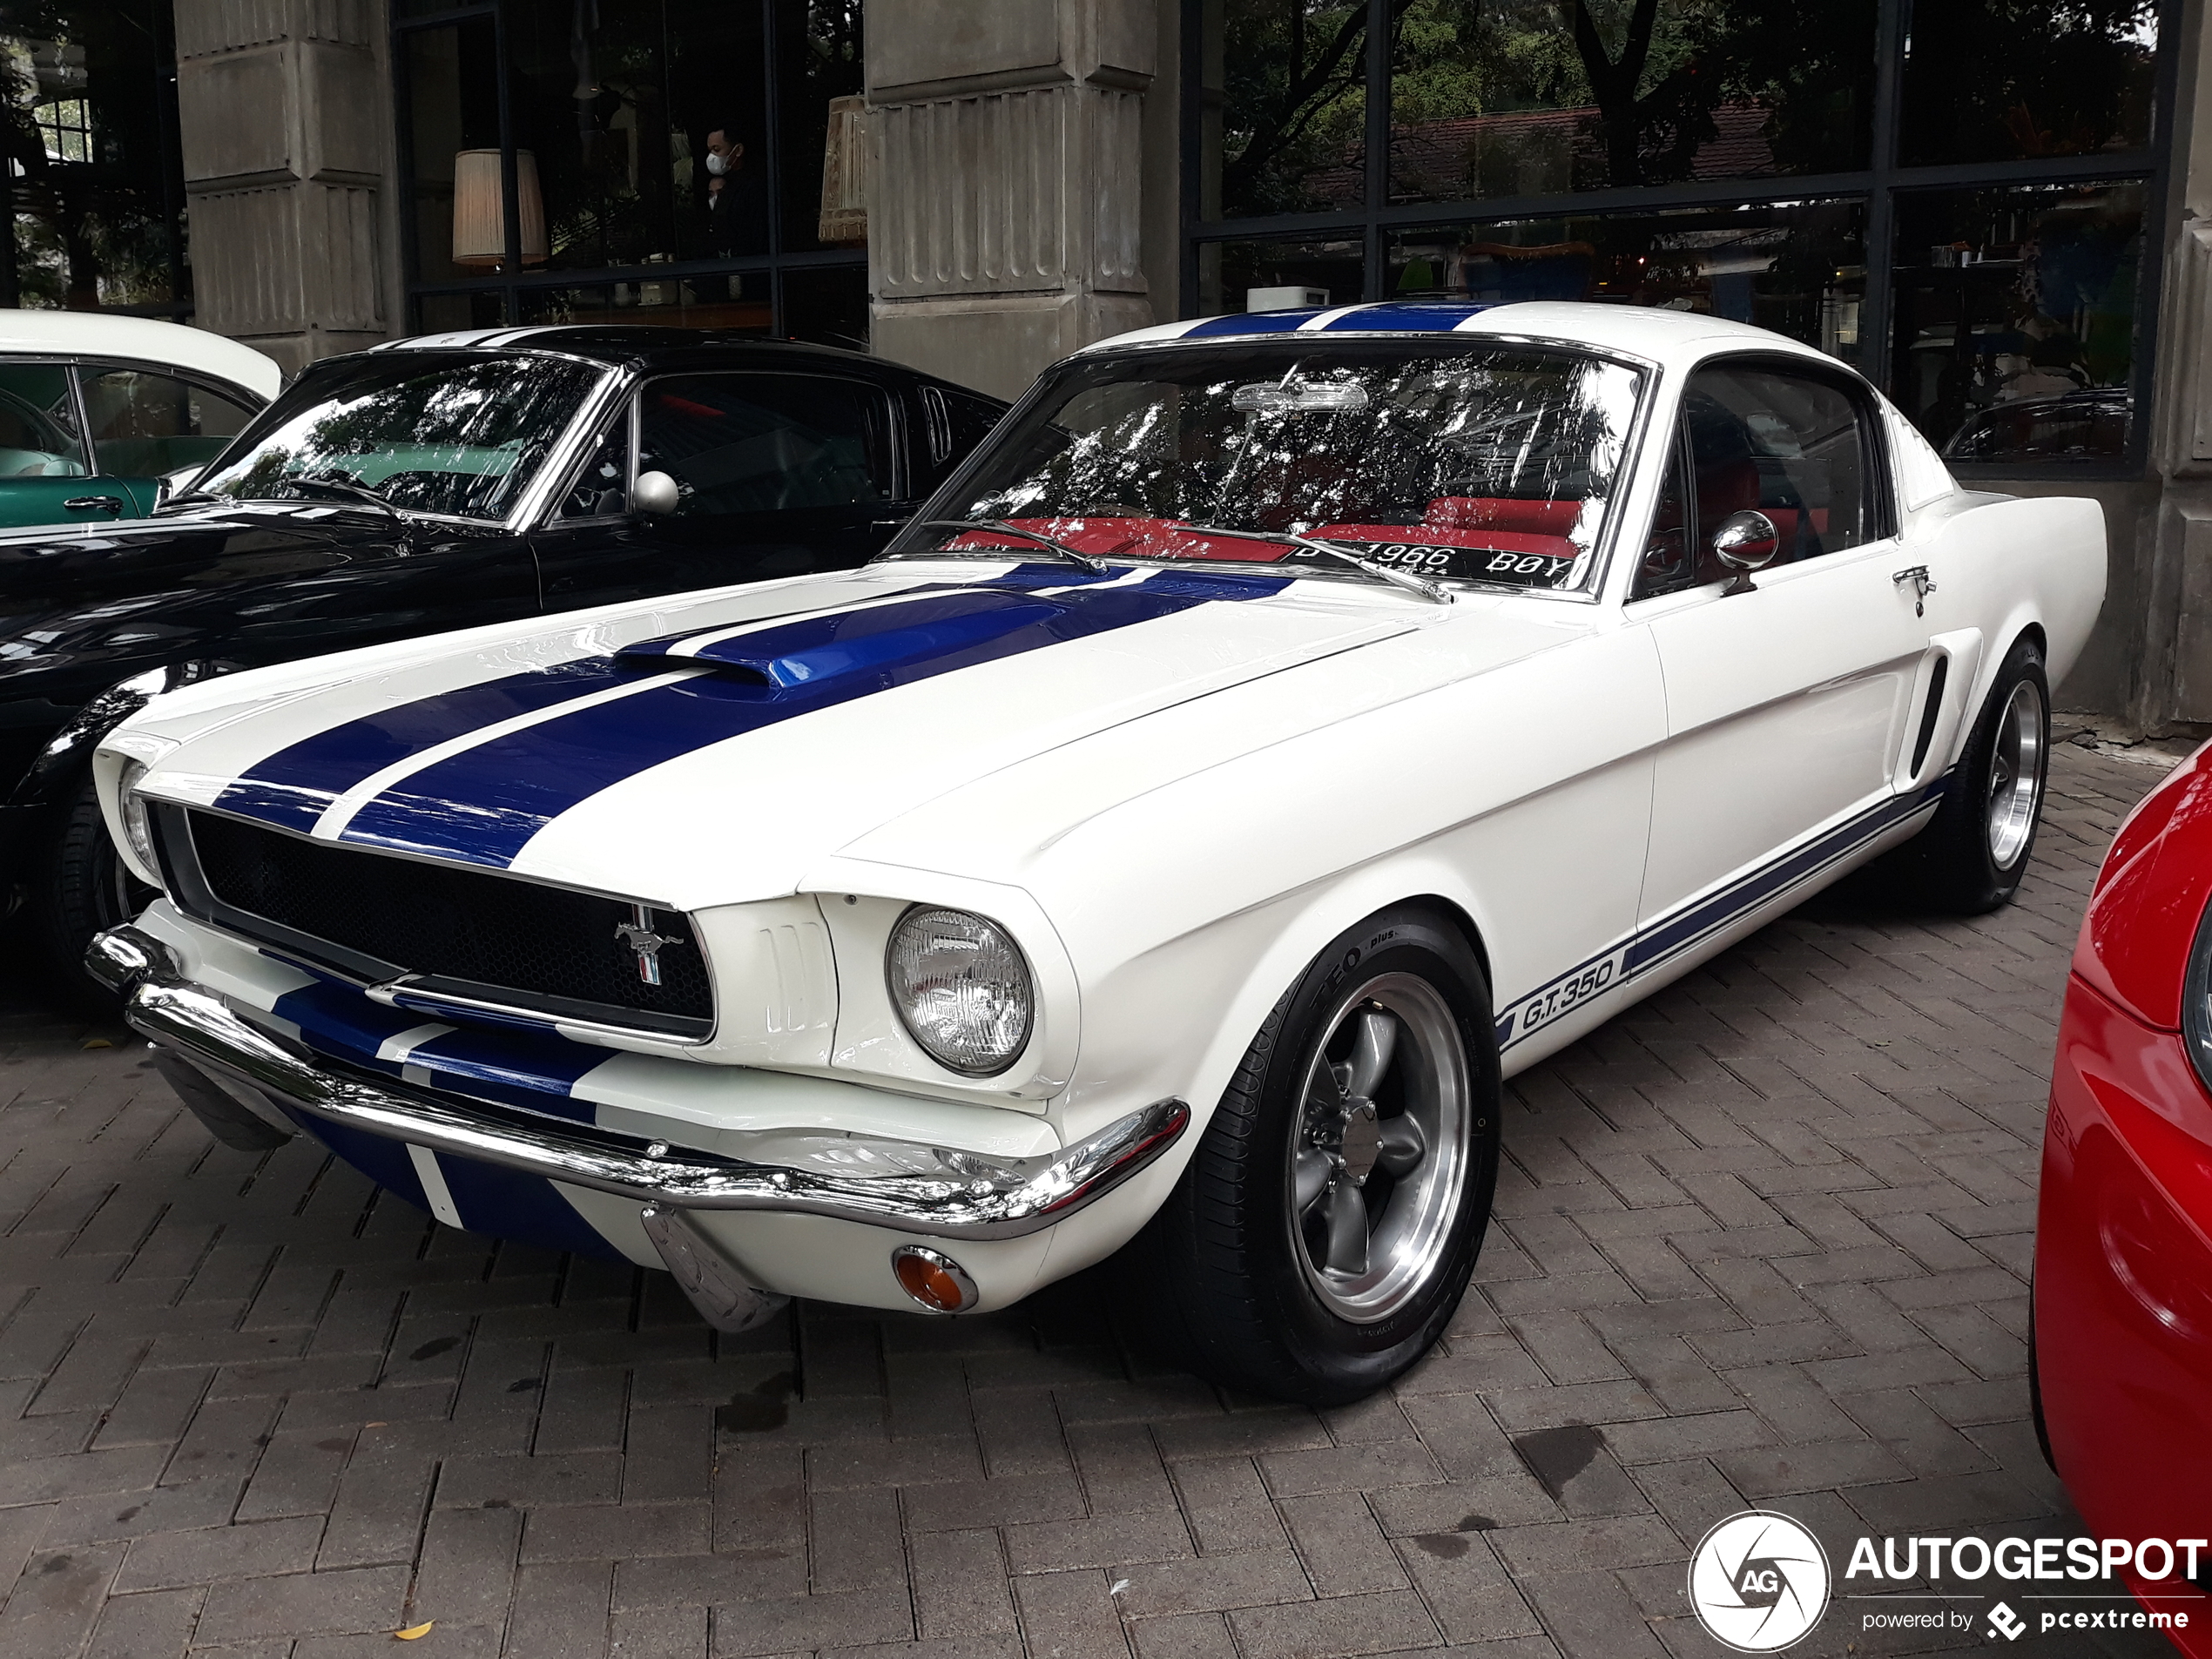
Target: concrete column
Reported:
point(286, 111)
point(2173, 553)
point(1005, 223)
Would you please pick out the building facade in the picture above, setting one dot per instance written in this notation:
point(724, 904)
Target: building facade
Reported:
point(1993, 208)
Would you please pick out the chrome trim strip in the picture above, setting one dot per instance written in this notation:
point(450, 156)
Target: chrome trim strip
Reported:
point(935, 1191)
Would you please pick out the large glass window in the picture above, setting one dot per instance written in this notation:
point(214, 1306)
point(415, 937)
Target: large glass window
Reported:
point(2006, 80)
point(93, 183)
point(1535, 98)
point(2015, 320)
point(1799, 270)
point(1954, 196)
point(672, 153)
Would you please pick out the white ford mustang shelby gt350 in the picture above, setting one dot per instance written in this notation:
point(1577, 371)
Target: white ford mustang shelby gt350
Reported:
point(1284, 727)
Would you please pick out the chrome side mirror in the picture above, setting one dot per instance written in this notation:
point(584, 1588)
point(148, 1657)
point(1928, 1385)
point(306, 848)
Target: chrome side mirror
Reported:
point(1745, 543)
point(656, 493)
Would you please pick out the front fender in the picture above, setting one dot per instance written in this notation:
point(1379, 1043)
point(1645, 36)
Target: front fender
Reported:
point(55, 777)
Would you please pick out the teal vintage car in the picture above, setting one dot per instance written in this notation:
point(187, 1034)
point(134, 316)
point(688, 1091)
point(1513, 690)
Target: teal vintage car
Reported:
point(97, 411)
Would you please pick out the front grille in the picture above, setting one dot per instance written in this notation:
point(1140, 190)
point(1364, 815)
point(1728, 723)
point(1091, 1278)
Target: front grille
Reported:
point(490, 938)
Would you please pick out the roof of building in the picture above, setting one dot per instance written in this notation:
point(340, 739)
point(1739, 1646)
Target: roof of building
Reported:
point(101, 334)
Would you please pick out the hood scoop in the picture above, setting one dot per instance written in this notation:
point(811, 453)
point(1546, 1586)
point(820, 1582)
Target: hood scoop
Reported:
point(942, 631)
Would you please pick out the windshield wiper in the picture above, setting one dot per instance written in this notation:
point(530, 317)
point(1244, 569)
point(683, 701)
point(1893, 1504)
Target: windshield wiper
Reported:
point(1000, 527)
point(1433, 592)
point(347, 490)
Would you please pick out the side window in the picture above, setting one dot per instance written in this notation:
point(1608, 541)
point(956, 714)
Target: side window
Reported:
point(1794, 447)
point(760, 443)
point(602, 489)
point(39, 435)
point(1670, 562)
point(144, 424)
point(953, 424)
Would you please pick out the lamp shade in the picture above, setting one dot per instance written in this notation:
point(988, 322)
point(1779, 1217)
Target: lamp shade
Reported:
point(480, 211)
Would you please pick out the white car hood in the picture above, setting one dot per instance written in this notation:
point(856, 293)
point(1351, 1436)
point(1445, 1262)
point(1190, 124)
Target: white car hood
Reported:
point(708, 750)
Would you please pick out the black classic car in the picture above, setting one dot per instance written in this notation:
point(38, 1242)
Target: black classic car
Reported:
point(431, 484)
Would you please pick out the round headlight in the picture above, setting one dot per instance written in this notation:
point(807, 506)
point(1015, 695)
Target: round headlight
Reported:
point(132, 808)
point(962, 988)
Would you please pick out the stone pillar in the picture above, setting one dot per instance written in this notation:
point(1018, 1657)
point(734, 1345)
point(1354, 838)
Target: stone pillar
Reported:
point(286, 111)
point(2174, 632)
point(1004, 222)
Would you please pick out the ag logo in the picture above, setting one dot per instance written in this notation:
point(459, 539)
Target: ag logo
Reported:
point(1759, 1581)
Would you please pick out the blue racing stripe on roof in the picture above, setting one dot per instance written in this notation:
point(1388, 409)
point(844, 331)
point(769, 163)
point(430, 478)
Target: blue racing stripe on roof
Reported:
point(1389, 316)
point(1410, 316)
point(292, 787)
point(1250, 322)
point(480, 806)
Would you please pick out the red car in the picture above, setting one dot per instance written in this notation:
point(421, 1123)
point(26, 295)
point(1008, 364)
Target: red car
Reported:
point(2120, 1341)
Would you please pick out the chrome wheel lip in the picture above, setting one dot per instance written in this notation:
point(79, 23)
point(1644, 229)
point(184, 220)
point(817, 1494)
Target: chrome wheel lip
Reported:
point(2014, 786)
point(1408, 1235)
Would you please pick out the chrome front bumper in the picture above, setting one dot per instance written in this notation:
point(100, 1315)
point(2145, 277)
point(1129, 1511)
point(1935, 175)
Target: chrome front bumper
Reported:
point(933, 1191)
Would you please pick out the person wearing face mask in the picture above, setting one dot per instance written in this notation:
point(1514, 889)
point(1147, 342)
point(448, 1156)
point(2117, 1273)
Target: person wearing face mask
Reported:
point(736, 211)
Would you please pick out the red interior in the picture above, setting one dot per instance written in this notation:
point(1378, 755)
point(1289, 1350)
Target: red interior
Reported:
point(1500, 526)
point(1736, 488)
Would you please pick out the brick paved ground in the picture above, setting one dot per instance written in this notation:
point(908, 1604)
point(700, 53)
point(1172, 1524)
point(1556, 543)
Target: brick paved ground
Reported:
point(1764, 1239)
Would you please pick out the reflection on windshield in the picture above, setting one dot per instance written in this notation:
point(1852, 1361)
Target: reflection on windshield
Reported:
point(1487, 464)
point(456, 436)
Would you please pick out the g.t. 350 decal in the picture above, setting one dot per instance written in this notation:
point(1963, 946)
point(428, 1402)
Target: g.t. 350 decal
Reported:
point(1556, 999)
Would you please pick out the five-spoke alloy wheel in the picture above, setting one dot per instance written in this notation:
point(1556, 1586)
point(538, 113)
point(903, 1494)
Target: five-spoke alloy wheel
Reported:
point(1375, 1167)
point(1331, 1214)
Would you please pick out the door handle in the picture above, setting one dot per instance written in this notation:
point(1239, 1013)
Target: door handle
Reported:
point(1923, 585)
point(93, 503)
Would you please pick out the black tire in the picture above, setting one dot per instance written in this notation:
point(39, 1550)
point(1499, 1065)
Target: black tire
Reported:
point(78, 886)
point(1960, 864)
point(1231, 1251)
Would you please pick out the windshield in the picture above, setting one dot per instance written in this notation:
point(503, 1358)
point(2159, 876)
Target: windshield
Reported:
point(1474, 463)
point(460, 434)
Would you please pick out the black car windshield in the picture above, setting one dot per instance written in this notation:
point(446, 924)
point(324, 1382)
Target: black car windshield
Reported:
point(1473, 462)
point(456, 433)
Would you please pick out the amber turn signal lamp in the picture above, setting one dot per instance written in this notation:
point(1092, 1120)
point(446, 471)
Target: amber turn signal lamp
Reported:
point(936, 1281)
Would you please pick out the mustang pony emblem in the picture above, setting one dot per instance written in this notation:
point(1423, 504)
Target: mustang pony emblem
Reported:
point(639, 935)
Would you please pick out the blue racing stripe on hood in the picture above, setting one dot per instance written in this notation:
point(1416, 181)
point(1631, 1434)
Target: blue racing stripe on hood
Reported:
point(292, 787)
point(480, 806)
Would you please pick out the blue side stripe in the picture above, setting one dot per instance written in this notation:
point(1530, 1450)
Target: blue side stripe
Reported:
point(482, 806)
point(1669, 936)
point(292, 787)
point(1756, 887)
